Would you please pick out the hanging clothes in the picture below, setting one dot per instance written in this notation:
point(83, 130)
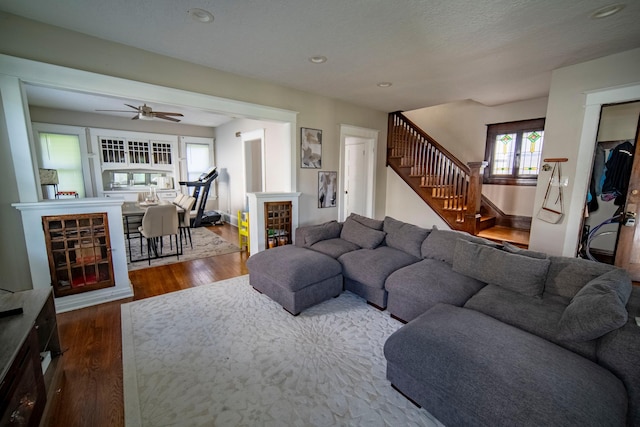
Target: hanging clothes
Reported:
point(618, 173)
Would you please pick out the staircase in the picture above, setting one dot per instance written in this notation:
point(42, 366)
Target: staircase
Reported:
point(451, 188)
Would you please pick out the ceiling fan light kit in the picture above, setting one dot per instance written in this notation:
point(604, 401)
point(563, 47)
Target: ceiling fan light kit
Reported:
point(144, 112)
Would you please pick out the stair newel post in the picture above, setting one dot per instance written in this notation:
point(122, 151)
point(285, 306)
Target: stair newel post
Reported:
point(474, 196)
point(472, 216)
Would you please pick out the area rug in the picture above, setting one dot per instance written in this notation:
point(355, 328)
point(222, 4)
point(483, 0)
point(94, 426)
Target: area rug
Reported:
point(206, 243)
point(225, 355)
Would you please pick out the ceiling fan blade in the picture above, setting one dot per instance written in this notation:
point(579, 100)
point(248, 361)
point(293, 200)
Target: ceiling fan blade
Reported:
point(135, 108)
point(136, 117)
point(160, 116)
point(117, 111)
point(166, 113)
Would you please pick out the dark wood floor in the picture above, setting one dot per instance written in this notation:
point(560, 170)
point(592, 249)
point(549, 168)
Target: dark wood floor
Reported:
point(90, 393)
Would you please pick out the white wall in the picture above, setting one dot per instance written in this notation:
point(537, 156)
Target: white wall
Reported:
point(461, 128)
point(619, 122)
point(228, 150)
point(570, 131)
point(404, 204)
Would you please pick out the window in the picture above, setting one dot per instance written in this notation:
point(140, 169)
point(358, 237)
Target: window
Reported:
point(62, 152)
point(198, 160)
point(514, 152)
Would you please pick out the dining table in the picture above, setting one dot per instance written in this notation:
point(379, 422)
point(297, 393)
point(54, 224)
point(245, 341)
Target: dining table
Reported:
point(132, 213)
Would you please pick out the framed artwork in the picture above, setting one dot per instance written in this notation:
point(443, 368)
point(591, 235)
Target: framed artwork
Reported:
point(327, 189)
point(310, 148)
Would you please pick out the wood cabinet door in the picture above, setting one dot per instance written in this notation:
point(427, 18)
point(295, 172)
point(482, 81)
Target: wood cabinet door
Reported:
point(628, 246)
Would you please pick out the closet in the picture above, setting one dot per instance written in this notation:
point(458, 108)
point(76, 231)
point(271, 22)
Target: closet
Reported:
point(611, 172)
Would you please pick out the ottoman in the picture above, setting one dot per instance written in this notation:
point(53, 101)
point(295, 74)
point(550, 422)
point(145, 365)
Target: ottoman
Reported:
point(295, 277)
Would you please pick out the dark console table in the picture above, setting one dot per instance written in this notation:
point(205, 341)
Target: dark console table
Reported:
point(29, 357)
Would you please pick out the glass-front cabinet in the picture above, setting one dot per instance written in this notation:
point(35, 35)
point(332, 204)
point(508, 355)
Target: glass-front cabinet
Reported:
point(79, 251)
point(118, 152)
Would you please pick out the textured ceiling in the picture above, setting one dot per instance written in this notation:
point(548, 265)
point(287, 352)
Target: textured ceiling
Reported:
point(433, 51)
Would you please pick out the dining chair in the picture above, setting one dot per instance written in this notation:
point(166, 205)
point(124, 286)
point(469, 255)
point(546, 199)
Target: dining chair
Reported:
point(178, 200)
point(159, 221)
point(185, 222)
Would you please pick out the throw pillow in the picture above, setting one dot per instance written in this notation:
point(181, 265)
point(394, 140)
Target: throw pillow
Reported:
point(365, 237)
point(376, 224)
point(506, 246)
point(326, 231)
point(517, 273)
point(440, 244)
point(405, 237)
point(597, 308)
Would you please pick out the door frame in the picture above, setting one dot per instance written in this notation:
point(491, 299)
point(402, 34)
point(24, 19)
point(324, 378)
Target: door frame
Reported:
point(371, 137)
point(594, 101)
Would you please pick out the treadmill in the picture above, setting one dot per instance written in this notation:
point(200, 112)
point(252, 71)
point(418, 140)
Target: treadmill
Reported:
point(201, 189)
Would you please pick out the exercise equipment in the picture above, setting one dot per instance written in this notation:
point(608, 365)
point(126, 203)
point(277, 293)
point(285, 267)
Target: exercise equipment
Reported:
point(201, 189)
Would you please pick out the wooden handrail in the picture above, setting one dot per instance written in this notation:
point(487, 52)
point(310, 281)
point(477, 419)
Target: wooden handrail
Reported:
point(450, 187)
point(426, 136)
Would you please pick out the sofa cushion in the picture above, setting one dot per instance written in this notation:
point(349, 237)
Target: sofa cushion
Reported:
point(567, 276)
point(404, 236)
point(490, 265)
point(597, 308)
point(376, 224)
point(316, 233)
point(534, 315)
point(508, 247)
point(361, 235)
point(440, 244)
point(417, 287)
point(334, 247)
point(293, 267)
point(371, 267)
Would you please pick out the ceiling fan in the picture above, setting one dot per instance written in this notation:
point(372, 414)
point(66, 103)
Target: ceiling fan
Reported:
point(145, 112)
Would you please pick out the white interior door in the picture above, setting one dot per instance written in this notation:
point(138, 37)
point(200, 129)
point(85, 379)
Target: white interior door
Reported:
point(355, 183)
point(358, 147)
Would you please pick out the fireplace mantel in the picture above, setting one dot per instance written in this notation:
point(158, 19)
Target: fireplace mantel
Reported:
point(257, 220)
point(32, 214)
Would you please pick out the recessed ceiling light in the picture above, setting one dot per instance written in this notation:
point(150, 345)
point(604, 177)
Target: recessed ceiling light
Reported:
point(385, 84)
point(200, 15)
point(606, 11)
point(318, 59)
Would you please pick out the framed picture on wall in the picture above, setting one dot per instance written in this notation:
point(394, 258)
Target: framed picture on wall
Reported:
point(327, 189)
point(310, 148)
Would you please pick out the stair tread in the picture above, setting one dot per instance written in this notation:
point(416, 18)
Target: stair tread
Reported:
point(500, 233)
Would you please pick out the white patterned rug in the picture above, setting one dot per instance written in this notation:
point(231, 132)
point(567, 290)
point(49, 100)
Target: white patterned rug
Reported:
point(225, 355)
point(206, 243)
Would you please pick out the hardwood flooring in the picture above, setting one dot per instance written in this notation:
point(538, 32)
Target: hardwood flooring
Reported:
point(90, 392)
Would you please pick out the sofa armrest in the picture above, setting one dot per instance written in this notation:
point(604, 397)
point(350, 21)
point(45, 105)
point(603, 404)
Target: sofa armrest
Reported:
point(619, 351)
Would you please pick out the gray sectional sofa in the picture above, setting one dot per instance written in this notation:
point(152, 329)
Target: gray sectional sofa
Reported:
point(494, 334)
